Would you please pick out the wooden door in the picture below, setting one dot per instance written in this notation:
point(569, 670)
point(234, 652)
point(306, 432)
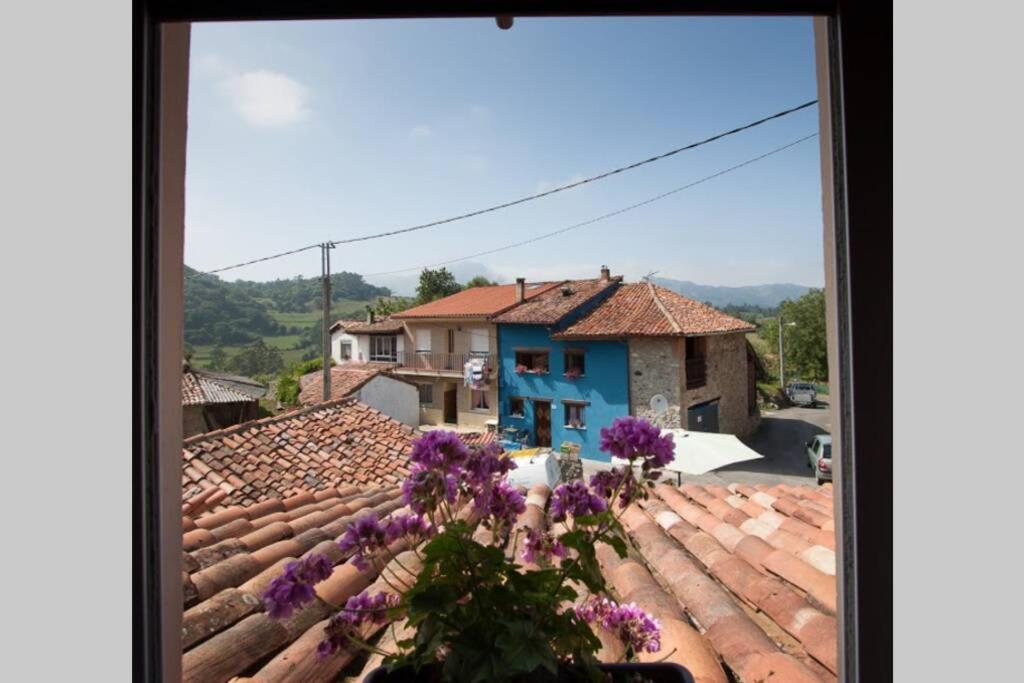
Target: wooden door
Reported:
point(542, 423)
point(451, 413)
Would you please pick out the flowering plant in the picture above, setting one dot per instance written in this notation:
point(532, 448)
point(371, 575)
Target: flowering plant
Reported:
point(573, 373)
point(520, 369)
point(477, 612)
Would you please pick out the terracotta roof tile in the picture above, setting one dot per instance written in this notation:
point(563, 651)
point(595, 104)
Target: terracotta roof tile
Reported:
point(204, 388)
point(477, 302)
point(642, 309)
point(557, 302)
point(380, 326)
point(331, 444)
point(345, 381)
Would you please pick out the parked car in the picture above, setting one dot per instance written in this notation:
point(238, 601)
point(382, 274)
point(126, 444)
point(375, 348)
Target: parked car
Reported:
point(802, 393)
point(819, 457)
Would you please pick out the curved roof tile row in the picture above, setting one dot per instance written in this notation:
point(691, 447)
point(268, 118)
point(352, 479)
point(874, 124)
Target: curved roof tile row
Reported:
point(733, 605)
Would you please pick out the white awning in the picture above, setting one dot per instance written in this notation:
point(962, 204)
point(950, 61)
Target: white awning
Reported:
point(702, 452)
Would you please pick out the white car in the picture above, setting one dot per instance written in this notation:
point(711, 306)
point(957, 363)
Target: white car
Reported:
point(802, 394)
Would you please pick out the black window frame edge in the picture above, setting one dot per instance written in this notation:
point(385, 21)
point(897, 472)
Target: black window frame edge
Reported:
point(860, 65)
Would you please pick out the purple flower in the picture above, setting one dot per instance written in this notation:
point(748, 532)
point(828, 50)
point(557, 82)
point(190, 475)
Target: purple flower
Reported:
point(294, 588)
point(540, 547)
point(399, 526)
point(629, 623)
point(503, 502)
point(575, 499)
point(344, 626)
point(440, 450)
point(631, 438)
point(606, 482)
point(364, 537)
point(425, 488)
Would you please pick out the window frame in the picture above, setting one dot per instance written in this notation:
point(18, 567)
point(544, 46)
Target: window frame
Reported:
point(487, 401)
point(581, 406)
point(425, 385)
point(522, 402)
point(341, 350)
point(533, 353)
point(375, 355)
point(575, 353)
point(854, 51)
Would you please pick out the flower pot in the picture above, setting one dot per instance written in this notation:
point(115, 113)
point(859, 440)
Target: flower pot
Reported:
point(662, 672)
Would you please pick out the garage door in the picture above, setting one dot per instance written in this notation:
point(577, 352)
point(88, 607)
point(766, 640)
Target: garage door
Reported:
point(703, 417)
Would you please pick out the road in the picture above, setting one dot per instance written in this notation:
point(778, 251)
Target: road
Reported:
point(780, 439)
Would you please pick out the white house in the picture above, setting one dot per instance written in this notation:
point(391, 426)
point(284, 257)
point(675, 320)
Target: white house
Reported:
point(369, 341)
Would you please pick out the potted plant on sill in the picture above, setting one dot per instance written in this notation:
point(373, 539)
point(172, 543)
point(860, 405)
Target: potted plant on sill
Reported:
point(520, 369)
point(476, 614)
point(573, 373)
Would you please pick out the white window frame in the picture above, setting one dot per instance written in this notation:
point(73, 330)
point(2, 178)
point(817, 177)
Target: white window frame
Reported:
point(382, 354)
point(487, 401)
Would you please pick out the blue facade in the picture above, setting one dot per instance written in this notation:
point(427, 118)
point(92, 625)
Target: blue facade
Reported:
point(603, 389)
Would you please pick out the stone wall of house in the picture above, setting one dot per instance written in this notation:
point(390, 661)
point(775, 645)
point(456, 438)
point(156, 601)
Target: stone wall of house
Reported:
point(727, 380)
point(655, 367)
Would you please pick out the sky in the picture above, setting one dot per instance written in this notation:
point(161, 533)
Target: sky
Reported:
point(301, 132)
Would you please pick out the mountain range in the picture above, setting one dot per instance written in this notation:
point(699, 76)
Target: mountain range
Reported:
point(766, 296)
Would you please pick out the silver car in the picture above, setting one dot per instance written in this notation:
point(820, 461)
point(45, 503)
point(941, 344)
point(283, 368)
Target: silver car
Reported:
point(802, 393)
point(819, 457)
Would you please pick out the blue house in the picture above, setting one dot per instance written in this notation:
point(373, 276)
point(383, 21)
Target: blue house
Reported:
point(551, 392)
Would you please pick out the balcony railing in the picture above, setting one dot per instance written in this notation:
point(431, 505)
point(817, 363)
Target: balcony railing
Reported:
point(696, 373)
point(428, 361)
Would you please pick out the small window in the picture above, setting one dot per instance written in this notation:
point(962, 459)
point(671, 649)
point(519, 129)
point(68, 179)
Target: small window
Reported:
point(574, 415)
point(696, 347)
point(534, 362)
point(346, 350)
point(478, 400)
point(383, 348)
point(574, 364)
point(426, 394)
point(517, 407)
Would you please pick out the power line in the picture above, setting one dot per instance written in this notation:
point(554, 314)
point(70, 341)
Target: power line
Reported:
point(599, 218)
point(532, 197)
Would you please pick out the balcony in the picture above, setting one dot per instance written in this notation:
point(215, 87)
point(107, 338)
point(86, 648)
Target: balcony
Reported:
point(696, 373)
point(448, 364)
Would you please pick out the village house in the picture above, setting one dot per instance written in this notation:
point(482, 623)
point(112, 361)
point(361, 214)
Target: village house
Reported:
point(378, 341)
point(555, 392)
point(371, 384)
point(449, 348)
point(213, 400)
point(688, 365)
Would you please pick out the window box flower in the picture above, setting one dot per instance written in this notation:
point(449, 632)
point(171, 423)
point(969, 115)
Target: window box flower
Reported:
point(573, 373)
point(520, 369)
point(477, 614)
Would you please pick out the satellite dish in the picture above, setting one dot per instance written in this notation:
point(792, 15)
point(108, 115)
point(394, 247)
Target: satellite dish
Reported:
point(659, 404)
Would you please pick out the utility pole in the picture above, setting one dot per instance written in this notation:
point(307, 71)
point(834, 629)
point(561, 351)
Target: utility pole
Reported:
point(782, 359)
point(325, 268)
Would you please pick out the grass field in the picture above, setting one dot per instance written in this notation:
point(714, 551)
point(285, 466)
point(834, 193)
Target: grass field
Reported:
point(343, 308)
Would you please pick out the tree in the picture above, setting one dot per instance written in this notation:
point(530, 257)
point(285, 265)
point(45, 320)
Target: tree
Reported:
point(436, 284)
point(387, 305)
point(806, 353)
point(257, 359)
point(480, 281)
point(218, 359)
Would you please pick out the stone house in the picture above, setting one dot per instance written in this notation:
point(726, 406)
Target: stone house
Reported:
point(689, 365)
point(213, 400)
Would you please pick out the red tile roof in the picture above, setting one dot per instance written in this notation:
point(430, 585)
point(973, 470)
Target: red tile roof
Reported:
point(744, 564)
point(647, 310)
point(203, 388)
point(476, 302)
point(326, 445)
point(557, 302)
point(382, 326)
point(345, 380)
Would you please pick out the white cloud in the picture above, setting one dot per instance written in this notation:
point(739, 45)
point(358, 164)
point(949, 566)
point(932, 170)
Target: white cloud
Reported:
point(266, 98)
point(421, 131)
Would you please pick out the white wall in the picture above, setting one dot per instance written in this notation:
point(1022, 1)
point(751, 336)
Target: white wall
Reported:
point(395, 398)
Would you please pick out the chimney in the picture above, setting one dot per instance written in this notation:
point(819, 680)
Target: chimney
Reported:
point(606, 274)
point(369, 315)
point(520, 289)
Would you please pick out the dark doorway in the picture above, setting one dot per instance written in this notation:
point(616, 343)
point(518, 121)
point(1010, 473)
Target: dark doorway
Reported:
point(451, 413)
point(703, 417)
point(542, 423)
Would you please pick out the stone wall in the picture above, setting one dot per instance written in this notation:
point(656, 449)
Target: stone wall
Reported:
point(727, 380)
point(655, 367)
